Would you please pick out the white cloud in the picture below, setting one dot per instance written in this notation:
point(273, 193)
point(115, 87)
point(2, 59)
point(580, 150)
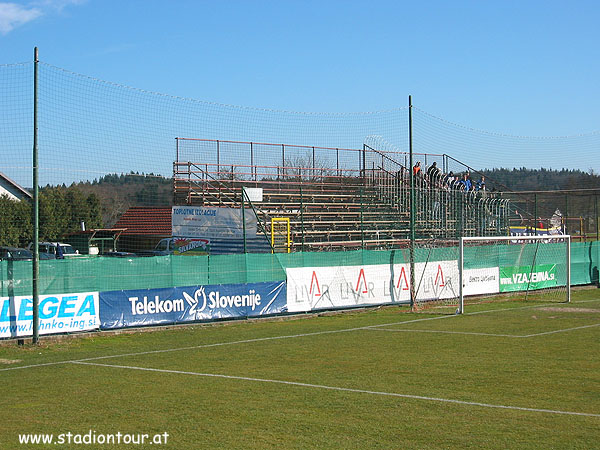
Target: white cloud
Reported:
point(58, 5)
point(13, 15)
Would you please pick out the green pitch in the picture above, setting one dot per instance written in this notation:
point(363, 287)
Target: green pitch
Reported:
point(504, 375)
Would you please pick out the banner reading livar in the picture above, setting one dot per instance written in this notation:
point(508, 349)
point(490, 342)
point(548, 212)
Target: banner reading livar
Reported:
point(524, 278)
point(314, 288)
point(64, 313)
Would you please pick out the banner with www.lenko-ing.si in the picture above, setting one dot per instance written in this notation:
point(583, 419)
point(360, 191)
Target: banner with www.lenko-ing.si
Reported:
point(58, 313)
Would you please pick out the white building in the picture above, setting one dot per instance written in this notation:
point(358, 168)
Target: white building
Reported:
point(12, 190)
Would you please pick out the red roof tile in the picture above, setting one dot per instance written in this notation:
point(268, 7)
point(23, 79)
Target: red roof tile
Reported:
point(143, 220)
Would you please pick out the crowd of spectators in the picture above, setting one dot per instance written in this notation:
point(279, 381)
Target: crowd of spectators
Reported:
point(433, 177)
point(439, 195)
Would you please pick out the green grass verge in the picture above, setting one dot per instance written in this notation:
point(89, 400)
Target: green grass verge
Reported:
point(512, 354)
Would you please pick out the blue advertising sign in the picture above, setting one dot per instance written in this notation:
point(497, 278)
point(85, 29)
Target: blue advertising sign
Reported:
point(120, 309)
point(533, 231)
point(58, 313)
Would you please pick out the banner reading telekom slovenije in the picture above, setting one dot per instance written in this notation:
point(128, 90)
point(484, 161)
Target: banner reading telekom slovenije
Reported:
point(120, 309)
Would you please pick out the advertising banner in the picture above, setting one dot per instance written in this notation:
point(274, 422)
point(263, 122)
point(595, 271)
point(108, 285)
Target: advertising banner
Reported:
point(524, 278)
point(437, 280)
point(254, 194)
point(119, 309)
point(63, 313)
point(481, 281)
point(216, 231)
point(312, 288)
point(533, 231)
point(190, 246)
point(208, 222)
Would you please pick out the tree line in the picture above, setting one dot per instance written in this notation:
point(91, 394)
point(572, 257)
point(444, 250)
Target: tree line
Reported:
point(61, 211)
point(100, 203)
point(523, 179)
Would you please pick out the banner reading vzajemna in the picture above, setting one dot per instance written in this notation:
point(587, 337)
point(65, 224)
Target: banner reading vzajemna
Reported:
point(524, 278)
point(120, 309)
point(64, 313)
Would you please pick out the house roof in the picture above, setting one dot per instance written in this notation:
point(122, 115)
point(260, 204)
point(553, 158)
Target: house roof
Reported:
point(147, 221)
point(16, 187)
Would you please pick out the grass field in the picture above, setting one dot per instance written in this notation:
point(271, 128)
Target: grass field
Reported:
point(503, 375)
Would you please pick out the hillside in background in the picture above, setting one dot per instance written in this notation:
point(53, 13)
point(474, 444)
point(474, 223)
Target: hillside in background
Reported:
point(100, 203)
point(117, 193)
point(543, 179)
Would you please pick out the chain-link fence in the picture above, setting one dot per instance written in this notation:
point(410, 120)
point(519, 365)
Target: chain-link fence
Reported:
point(111, 167)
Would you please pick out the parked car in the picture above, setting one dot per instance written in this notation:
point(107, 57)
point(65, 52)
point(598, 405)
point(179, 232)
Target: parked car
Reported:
point(163, 248)
point(52, 250)
point(15, 254)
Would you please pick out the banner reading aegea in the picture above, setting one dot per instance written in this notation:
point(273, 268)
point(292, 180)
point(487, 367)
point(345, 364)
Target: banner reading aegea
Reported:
point(58, 314)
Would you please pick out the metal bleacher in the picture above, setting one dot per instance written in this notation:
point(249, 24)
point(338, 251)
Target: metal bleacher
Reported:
point(343, 208)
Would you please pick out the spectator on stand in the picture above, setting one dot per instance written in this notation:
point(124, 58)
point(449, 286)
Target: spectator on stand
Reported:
point(481, 184)
point(433, 172)
point(466, 182)
point(417, 169)
point(540, 224)
point(456, 184)
point(418, 175)
point(404, 175)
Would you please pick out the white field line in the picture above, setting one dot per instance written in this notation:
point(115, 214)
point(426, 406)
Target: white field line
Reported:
point(219, 344)
point(291, 336)
point(564, 330)
point(446, 332)
point(342, 389)
point(561, 331)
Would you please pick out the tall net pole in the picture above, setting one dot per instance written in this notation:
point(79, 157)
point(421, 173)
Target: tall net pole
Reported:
point(461, 268)
point(412, 206)
point(244, 218)
point(568, 263)
point(36, 221)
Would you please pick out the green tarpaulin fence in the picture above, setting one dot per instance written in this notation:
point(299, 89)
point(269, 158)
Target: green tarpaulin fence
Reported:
point(90, 274)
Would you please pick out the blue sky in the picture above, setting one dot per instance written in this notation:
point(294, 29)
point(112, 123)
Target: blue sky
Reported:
point(517, 67)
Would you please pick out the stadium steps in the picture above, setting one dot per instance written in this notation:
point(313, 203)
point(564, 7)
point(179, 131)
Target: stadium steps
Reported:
point(331, 214)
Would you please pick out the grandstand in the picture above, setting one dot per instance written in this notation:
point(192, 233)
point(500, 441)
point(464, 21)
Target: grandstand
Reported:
point(337, 199)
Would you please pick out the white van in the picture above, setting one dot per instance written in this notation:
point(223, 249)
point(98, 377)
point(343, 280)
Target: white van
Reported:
point(49, 250)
